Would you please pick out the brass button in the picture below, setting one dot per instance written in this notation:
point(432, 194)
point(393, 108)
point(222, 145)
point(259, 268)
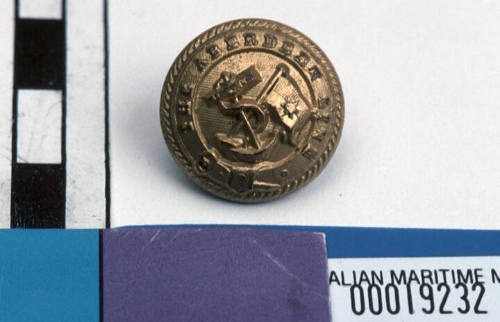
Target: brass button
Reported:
point(252, 110)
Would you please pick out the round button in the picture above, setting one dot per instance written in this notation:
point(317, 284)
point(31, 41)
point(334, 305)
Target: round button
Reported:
point(252, 110)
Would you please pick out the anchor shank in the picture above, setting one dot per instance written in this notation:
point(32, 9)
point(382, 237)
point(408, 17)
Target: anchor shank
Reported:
point(249, 126)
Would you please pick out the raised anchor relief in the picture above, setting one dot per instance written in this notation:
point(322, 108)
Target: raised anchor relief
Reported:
point(280, 106)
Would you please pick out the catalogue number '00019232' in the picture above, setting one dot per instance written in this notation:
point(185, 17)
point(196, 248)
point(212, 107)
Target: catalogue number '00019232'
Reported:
point(415, 289)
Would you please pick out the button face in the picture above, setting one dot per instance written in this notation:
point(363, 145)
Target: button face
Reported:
point(252, 110)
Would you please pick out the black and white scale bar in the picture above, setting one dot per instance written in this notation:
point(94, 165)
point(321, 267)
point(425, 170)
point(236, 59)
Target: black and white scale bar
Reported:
point(39, 177)
point(58, 138)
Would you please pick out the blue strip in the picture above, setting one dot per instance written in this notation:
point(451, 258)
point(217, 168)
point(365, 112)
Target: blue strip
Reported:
point(354, 242)
point(384, 242)
point(49, 275)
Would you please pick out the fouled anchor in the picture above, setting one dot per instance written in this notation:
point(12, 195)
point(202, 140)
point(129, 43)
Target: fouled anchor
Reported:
point(280, 106)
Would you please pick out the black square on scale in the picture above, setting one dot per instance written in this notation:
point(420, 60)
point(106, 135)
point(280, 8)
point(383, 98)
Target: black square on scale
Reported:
point(40, 54)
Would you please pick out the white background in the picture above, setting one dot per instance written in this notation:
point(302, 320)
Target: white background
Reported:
point(421, 141)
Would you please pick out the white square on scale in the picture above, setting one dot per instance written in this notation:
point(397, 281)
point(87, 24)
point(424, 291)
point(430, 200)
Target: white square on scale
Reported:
point(39, 121)
point(40, 9)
